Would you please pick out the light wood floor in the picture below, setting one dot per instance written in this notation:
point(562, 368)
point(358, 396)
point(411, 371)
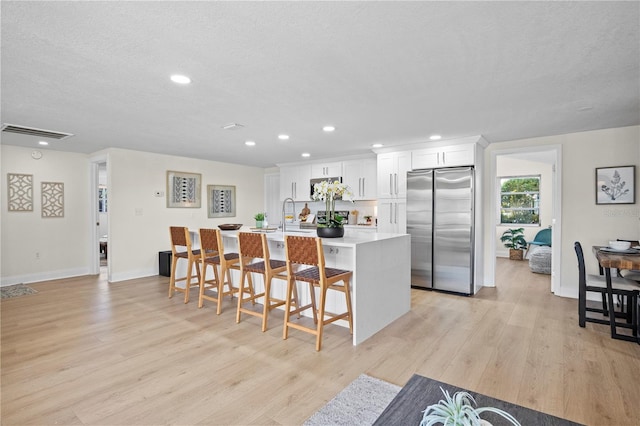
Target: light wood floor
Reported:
point(83, 351)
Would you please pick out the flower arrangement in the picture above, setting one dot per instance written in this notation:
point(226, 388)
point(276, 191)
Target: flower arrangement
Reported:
point(328, 192)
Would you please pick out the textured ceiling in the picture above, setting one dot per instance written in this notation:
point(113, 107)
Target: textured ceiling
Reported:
point(386, 72)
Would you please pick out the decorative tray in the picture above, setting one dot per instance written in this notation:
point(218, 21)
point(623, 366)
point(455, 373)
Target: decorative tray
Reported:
point(263, 229)
point(230, 226)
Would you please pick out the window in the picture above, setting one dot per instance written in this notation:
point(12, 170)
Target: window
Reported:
point(102, 199)
point(520, 200)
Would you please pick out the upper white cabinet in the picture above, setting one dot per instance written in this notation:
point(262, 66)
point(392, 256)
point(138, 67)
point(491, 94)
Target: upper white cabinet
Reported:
point(361, 176)
point(294, 182)
point(392, 174)
point(326, 170)
point(446, 156)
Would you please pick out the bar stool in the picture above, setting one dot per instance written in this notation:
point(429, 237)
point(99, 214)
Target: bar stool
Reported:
point(307, 252)
point(180, 237)
point(252, 247)
point(213, 254)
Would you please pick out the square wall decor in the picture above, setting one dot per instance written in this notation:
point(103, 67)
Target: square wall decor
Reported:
point(616, 185)
point(183, 189)
point(221, 200)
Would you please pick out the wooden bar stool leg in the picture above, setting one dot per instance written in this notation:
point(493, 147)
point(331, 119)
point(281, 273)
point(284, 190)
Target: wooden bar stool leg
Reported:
point(287, 309)
point(222, 274)
point(240, 295)
point(347, 292)
point(312, 292)
point(187, 283)
point(266, 306)
point(320, 328)
point(172, 280)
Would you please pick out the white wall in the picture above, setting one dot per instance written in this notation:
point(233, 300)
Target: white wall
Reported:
point(61, 242)
point(509, 166)
point(138, 220)
point(582, 219)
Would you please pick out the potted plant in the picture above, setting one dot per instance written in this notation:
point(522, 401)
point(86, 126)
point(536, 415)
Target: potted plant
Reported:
point(458, 410)
point(513, 239)
point(259, 217)
point(328, 192)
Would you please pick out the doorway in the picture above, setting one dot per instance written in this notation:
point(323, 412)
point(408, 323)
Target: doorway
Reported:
point(99, 235)
point(549, 157)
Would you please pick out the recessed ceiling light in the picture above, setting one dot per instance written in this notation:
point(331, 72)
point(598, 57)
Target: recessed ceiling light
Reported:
point(435, 137)
point(306, 154)
point(250, 143)
point(43, 143)
point(376, 145)
point(180, 79)
point(328, 128)
point(283, 137)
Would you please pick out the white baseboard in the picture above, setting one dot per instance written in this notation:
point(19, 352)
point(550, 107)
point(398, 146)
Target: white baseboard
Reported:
point(43, 276)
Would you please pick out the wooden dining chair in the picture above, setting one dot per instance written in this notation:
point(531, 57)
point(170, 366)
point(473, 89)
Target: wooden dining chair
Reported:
point(222, 263)
point(255, 259)
point(181, 249)
point(306, 262)
point(588, 283)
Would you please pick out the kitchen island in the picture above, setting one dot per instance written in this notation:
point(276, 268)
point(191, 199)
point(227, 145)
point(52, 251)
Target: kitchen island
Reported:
point(381, 283)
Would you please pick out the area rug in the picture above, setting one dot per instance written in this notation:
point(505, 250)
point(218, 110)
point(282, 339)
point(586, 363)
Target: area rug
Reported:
point(360, 403)
point(16, 290)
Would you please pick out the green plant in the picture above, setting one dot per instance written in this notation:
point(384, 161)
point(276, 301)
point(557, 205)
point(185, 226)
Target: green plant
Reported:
point(259, 216)
point(514, 239)
point(458, 410)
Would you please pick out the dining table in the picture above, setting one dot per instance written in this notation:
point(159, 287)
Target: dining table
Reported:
point(622, 259)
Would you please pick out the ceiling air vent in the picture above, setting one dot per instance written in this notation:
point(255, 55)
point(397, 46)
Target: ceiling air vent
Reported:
point(32, 131)
point(232, 126)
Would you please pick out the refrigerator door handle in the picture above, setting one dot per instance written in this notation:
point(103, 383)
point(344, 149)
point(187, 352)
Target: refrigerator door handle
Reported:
point(396, 218)
point(390, 213)
point(390, 183)
point(395, 183)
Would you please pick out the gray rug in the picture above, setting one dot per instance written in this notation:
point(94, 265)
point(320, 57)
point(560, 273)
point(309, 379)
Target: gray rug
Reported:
point(17, 290)
point(360, 403)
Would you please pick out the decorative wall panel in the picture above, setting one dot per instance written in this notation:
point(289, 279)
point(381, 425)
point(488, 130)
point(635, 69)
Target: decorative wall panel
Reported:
point(52, 199)
point(20, 192)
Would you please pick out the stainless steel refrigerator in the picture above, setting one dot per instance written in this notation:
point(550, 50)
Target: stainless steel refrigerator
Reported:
point(440, 216)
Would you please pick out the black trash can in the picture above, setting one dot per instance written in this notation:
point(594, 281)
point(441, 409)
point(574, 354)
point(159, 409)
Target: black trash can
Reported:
point(164, 263)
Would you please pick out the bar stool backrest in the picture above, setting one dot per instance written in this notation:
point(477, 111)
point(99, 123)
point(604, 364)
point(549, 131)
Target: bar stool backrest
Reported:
point(179, 238)
point(210, 242)
point(305, 250)
point(253, 245)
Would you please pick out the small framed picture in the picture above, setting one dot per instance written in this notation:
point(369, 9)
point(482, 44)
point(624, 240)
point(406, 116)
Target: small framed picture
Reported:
point(616, 185)
point(184, 189)
point(221, 200)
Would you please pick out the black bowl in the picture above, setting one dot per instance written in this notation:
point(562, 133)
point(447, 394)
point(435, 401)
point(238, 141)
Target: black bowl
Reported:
point(230, 226)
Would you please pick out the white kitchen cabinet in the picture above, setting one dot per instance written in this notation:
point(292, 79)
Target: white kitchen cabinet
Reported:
point(392, 174)
point(326, 170)
point(295, 182)
point(392, 215)
point(446, 156)
point(361, 176)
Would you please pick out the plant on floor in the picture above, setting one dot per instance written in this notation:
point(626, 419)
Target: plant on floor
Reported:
point(513, 239)
point(458, 410)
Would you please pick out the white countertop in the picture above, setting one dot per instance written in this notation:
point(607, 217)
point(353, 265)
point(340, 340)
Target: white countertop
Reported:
point(351, 238)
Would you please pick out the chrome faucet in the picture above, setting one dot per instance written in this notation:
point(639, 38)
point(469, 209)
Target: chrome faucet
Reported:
point(284, 219)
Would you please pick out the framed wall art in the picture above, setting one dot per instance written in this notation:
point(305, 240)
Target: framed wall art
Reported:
point(221, 200)
point(183, 189)
point(20, 192)
point(52, 199)
point(616, 185)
